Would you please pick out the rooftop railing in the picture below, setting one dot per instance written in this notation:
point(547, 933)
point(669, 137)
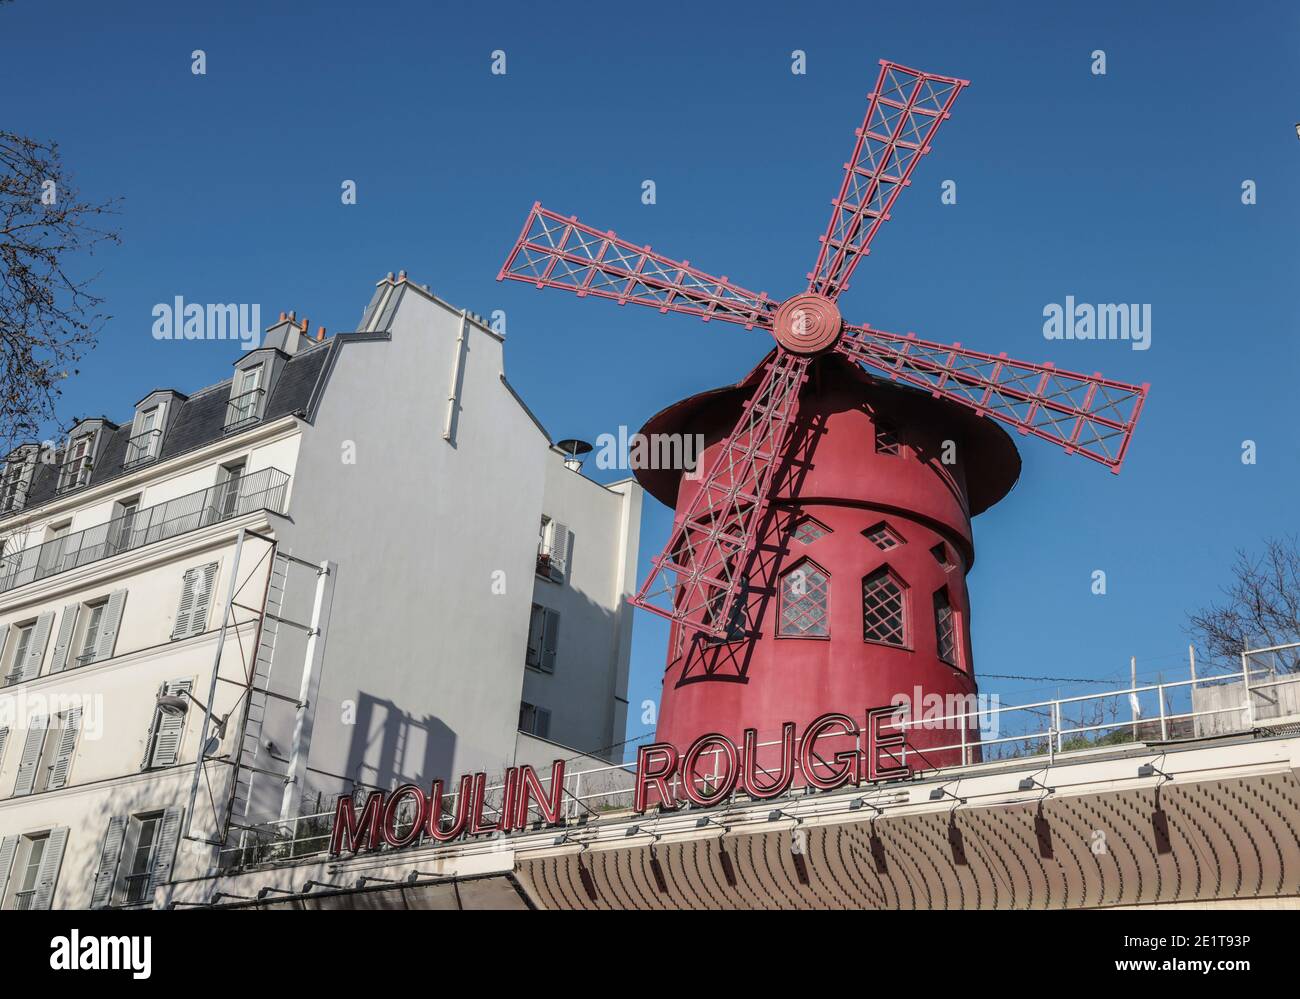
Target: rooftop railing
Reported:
point(244, 409)
point(1258, 697)
point(141, 448)
point(263, 490)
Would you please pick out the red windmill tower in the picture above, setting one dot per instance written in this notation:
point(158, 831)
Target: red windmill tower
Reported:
point(818, 562)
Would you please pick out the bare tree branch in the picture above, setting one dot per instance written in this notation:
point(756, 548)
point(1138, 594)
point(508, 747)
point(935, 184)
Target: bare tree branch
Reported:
point(1262, 606)
point(48, 316)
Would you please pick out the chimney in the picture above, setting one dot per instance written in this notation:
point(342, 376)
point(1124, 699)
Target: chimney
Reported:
point(288, 334)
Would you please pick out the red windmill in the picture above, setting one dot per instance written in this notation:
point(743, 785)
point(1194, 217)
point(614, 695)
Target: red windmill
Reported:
point(857, 508)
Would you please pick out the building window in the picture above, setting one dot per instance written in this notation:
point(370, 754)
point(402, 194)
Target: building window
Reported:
point(139, 862)
point(245, 404)
point(229, 479)
point(18, 648)
point(883, 536)
point(887, 441)
point(135, 857)
point(543, 639)
point(122, 528)
point(944, 557)
point(945, 628)
point(29, 871)
point(808, 530)
point(884, 609)
point(14, 484)
point(94, 615)
point(738, 621)
point(554, 544)
point(534, 720)
point(805, 602)
point(47, 754)
point(145, 438)
point(29, 868)
point(76, 466)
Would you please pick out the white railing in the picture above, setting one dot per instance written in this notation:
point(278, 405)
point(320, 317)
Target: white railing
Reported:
point(1053, 729)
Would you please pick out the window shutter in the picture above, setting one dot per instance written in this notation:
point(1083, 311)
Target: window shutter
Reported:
point(31, 757)
point(8, 850)
point(109, 624)
point(4, 741)
point(36, 653)
point(164, 854)
point(196, 592)
point(109, 853)
point(550, 639)
point(165, 742)
point(536, 629)
point(67, 743)
point(48, 875)
point(181, 628)
point(542, 729)
point(561, 545)
point(66, 625)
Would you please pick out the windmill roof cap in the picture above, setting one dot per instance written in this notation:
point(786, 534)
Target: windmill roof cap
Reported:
point(989, 476)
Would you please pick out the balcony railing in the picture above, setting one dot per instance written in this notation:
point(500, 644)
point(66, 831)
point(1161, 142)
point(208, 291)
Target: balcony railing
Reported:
point(244, 409)
point(264, 490)
point(74, 474)
point(141, 448)
point(24, 900)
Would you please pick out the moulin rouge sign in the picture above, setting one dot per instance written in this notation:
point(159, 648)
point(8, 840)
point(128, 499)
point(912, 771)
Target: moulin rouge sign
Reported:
point(383, 820)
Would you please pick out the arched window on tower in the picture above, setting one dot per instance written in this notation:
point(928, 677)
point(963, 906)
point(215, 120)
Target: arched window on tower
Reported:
point(805, 602)
point(945, 628)
point(884, 608)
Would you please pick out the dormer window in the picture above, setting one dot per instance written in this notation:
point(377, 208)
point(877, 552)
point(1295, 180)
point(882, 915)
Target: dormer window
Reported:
point(146, 438)
point(16, 479)
point(246, 397)
point(76, 468)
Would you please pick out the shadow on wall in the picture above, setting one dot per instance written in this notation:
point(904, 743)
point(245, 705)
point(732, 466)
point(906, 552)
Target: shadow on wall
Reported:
point(390, 747)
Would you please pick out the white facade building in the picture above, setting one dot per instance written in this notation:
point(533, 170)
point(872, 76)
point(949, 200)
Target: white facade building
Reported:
point(336, 551)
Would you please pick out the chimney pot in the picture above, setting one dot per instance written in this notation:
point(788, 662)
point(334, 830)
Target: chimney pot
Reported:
point(281, 317)
point(320, 334)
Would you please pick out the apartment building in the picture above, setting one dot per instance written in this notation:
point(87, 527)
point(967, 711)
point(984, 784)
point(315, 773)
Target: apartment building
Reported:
point(357, 562)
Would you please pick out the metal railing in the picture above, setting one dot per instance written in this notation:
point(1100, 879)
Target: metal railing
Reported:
point(1253, 698)
point(141, 448)
point(262, 490)
point(244, 409)
point(24, 900)
point(73, 474)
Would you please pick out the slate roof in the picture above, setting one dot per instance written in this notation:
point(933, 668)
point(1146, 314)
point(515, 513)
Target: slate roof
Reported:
point(198, 420)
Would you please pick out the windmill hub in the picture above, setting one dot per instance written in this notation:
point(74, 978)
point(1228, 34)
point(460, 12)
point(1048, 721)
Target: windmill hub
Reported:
point(807, 324)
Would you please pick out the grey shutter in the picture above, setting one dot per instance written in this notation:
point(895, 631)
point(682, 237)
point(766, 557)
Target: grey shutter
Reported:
point(196, 592)
point(8, 850)
point(550, 639)
point(109, 624)
point(67, 624)
point(164, 854)
point(40, 639)
point(51, 860)
point(165, 745)
point(109, 853)
point(561, 545)
point(536, 629)
point(4, 741)
point(542, 728)
point(181, 628)
point(67, 743)
point(31, 757)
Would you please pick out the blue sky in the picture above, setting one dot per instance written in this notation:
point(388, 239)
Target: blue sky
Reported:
point(1117, 188)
